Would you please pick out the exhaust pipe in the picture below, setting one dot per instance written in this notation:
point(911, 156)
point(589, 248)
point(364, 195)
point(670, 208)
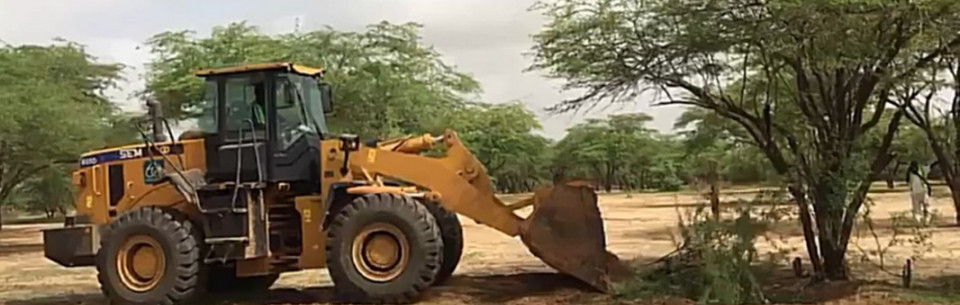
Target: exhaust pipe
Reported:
point(156, 117)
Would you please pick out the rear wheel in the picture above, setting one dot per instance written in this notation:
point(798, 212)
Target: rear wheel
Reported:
point(149, 256)
point(452, 234)
point(383, 248)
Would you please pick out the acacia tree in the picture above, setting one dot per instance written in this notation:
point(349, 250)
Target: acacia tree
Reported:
point(932, 103)
point(707, 151)
point(50, 191)
point(501, 137)
point(909, 144)
point(714, 145)
point(52, 108)
point(386, 80)
point(804, 79)
point(617, 151)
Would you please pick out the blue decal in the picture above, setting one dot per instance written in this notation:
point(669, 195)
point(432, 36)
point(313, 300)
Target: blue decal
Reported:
point(152, 171)
point(130, 154)
point(88, 161)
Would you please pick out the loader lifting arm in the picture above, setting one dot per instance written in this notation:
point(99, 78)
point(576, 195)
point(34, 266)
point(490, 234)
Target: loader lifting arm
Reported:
point(457, 181)
point(565, 229)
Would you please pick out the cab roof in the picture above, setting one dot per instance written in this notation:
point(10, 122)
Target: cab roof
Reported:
point(289, 67)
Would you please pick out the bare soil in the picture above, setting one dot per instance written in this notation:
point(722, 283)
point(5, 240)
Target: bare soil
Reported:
point(497, 269)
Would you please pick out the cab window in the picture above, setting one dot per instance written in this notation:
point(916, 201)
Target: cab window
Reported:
point(291, 120)
point(207, 122)
point(245, 102)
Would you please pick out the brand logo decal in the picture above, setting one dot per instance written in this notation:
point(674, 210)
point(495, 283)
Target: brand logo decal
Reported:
point(131, 154)
point(152, 171)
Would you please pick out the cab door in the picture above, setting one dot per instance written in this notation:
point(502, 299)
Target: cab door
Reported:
point(296, 152)
point(242, 141)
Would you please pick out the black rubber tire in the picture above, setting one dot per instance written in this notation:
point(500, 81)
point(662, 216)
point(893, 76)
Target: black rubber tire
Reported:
point(223, 279)
point(421, 231)
point(181, 282)
point(452, 234)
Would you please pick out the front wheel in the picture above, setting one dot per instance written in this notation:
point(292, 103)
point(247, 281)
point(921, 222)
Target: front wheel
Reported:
point(452, 234)
point(383, 248)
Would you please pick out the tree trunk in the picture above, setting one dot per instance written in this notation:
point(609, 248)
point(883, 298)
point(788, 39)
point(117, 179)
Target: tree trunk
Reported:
point(830, 202)
point(955, 194)
point(809, 236)
point(714, 199)
point(608, 178)
point(641, 180)
point(892, 176)
point(834, 261)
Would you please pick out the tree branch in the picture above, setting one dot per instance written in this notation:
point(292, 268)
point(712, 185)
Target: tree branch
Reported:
point(880, 162)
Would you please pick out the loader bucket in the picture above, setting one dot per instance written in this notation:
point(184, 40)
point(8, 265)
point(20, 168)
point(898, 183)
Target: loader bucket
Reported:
point(565, 230)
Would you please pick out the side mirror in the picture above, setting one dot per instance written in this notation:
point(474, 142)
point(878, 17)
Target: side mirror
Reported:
point(326, 96)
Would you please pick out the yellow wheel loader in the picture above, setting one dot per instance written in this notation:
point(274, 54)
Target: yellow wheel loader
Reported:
point(263, 188)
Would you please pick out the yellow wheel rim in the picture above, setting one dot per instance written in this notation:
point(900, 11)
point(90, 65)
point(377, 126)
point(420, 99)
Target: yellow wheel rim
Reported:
point(141, 263)
point(380, 252)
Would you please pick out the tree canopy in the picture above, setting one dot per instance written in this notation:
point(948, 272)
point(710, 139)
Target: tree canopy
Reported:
point(387, 81)
point(52, 108)
point(502, 138)
point(619, 151)
point(805, 80)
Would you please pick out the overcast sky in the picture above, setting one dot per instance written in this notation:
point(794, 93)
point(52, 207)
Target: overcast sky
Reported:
point(485, 38)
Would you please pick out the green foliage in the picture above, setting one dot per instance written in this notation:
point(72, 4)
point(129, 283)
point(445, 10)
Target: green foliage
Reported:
point(619, 151)
point(52, 108)
point(49, 192)
point(717, 261)
point(386, 82)
point(909, 144)
point(806, 81)
point(501, 137)
point(717, 149)
point(931, 102)
point(664, 174)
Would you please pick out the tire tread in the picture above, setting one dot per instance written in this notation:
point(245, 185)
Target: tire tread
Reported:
point(451, 232)
point(427, 230)
point(185, 284)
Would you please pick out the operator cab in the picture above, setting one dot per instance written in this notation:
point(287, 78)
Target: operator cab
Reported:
point(270, 117)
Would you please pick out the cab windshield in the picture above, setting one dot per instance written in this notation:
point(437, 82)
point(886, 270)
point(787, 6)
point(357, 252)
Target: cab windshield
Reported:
point(299, 107)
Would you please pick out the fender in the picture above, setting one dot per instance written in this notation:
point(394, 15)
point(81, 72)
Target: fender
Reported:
point(337, 197)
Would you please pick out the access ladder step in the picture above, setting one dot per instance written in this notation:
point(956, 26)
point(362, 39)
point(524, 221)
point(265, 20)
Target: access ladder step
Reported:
point(223, 240)
point(231, 185)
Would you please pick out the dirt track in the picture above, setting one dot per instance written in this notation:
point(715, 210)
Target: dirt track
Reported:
point(495, 269)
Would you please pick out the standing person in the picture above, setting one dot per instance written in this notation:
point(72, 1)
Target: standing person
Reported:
point(920, 192)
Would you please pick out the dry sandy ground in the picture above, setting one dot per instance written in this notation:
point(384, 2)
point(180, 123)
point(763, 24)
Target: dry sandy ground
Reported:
point(495, 269)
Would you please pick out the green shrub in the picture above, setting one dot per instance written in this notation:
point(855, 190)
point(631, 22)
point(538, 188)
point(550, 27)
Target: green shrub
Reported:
point(715, 263)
